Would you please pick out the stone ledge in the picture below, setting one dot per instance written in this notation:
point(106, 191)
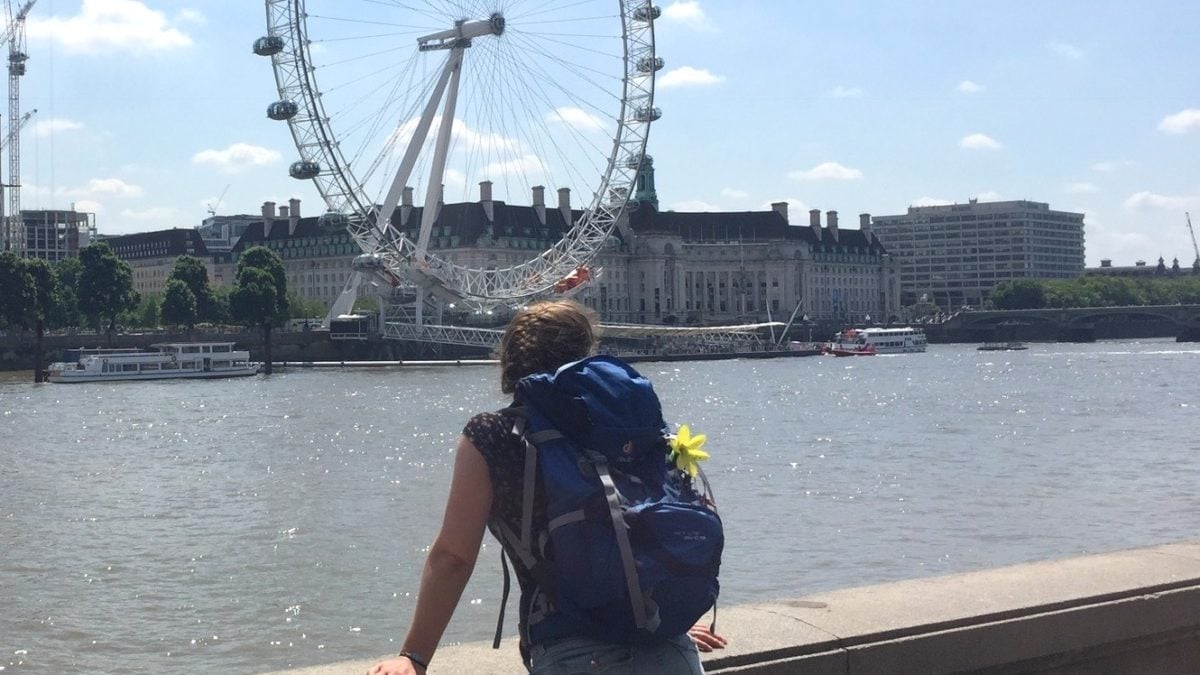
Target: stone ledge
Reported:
point(1137, 607)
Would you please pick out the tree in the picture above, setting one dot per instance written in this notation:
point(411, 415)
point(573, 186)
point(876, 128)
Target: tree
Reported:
point(192, 272)
point(105, 286)
point(149, 311)
point(305, 308)
point(179, 305)
point(16, 291)
point(1019, 294)
point(259, 297)
point(46, 298)
point(67, 313)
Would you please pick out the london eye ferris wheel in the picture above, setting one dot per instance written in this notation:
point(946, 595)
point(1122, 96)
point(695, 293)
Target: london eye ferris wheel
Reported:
point(381, 95)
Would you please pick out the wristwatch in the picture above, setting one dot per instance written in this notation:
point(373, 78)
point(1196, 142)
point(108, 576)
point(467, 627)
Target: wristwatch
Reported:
point(416, 658)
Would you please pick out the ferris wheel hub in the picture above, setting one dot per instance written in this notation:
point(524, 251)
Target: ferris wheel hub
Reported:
point(461, 35)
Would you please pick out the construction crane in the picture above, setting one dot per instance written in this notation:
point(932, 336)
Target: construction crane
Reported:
point(214, 205)
point(1196, 262)
point(20, 126)
point(14, 35)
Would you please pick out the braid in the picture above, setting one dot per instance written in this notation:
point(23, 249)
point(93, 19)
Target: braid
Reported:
point(544, 336)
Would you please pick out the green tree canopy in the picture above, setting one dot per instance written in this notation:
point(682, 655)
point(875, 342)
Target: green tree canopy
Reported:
point(67, 313)
point(179, 306)
point(47, 291)
point(17, 292)
point(192, 272)
point(1019, 294)
point(254, 301)
point(260, 295)
point(105, 285)
point(265, 259)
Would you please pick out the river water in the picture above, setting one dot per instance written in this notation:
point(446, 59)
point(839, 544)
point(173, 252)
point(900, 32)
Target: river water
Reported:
point(264, 523)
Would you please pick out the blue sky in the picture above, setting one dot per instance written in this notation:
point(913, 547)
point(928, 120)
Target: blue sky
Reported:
point(148, 109)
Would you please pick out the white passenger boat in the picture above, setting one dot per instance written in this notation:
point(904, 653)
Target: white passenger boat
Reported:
point(881, 340)
point(169, 360)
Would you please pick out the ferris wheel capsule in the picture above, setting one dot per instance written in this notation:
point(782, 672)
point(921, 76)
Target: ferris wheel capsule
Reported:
point(282, 110)
point(647, 13)
point(268, 45)
point(304, 170)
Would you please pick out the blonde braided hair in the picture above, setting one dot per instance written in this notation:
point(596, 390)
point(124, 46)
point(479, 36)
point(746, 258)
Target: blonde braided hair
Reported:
point(542, 337)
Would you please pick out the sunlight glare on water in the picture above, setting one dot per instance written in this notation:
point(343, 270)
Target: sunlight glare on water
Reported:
point(258, 524)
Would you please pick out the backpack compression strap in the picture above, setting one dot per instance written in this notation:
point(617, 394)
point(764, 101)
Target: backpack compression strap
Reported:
point(523, 545)
point(645, 614)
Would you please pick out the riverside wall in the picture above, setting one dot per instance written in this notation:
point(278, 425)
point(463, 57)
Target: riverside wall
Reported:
point(1134, 611)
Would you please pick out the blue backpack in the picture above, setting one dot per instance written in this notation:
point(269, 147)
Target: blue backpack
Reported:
point(633, 549)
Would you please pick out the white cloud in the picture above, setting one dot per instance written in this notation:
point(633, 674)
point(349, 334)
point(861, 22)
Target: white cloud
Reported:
point(687, 76)
point(1146, 201)
point(576, 118)
point(979, 142)
point(827, 171)
point(694, 205)
point(102, 187)
point(108, 26)
point(687, 12)
point(87, 206)
point(731, 193)
point(237, 157)
point(796, 207)
point(1067, 51)
point(1181, 122)
point(932, 201)
point(524, 165)
point(842, 91)
point(969, 87)
point(1081, 188)
point(191, 16)
point(464, 138)
point(55, 125)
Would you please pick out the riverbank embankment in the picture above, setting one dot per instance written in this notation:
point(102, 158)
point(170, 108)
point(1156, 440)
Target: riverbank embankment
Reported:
point(1134, 611)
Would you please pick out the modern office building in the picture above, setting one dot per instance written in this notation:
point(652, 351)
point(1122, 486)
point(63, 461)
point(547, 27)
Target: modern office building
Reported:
point(56, 234)
point(954, 255)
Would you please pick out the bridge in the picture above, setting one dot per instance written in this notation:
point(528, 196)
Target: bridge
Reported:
point(1079, 322)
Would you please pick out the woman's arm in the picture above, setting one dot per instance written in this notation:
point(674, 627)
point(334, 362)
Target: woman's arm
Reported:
point(450, 561)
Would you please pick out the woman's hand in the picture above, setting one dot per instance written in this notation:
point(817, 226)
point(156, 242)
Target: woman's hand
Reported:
point(705, 639)
point(401, 665)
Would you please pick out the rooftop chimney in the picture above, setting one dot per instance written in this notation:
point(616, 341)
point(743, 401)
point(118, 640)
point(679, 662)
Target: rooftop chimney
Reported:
point(283, 212)
point(864, 224)
point(814, 221)
point(781, 208)
point(564, 204)
point(294, 207)
point(406, 205)
point(485, 198)
point(268, 214)
point(539, 203)
point(831, 220)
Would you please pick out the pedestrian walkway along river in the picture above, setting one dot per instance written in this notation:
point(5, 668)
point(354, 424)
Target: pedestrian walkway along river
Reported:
point(267, 523)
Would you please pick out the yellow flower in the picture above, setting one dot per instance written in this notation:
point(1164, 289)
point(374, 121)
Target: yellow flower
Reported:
point(686, 452)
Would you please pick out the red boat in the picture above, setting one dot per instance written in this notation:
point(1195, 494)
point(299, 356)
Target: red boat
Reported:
point(862, 350)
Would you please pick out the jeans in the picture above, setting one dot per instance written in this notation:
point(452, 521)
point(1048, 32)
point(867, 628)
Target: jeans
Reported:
point(577, 656)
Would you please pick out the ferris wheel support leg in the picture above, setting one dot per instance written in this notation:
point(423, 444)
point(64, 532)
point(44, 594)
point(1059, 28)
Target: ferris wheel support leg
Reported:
point(410, 154)
point(438, 169)
point(345, 300)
